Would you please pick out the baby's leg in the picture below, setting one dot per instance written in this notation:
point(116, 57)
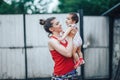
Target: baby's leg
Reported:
point(75, 56)
point(80, 55)
point(79, 52)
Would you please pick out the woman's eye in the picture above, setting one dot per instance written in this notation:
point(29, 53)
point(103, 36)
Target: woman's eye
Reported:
point(57, 23)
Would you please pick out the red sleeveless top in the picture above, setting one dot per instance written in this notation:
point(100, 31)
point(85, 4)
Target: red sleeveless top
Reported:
point(63, 64)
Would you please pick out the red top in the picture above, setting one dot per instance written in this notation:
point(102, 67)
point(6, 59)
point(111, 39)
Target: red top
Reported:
point(63, 64)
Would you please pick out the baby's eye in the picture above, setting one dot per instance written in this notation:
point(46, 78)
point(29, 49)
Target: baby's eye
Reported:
point(67, 18)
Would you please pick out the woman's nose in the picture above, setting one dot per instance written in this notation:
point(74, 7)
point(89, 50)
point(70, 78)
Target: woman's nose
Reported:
point(60, 24)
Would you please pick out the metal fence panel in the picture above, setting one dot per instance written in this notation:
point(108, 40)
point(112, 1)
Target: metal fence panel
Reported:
point(11, 31)
point(12, 64)
point(96, 31)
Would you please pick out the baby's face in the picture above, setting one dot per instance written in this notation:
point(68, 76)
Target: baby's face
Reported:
point(69, 20)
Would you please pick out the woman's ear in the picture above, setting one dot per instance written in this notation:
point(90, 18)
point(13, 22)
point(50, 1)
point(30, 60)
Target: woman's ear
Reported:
point(51, 29)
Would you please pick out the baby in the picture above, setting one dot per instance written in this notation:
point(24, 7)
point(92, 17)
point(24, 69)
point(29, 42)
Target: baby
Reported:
point(72, 20)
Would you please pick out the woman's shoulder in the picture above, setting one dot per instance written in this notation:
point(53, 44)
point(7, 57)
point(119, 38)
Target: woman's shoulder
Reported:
point(52, 43)
point(52, 40)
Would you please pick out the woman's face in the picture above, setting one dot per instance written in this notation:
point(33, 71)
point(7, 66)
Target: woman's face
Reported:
point(56, 26)
point(69, 20)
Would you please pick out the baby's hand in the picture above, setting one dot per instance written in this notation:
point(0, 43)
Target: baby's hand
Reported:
point(72, 32)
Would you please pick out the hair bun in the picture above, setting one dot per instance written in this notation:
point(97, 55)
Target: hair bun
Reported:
point(42, 21)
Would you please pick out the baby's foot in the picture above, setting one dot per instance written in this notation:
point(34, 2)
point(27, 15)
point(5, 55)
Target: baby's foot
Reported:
point(77, 64)
point(82, 61)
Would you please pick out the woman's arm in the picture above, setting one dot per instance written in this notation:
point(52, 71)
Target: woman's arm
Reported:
point(65, 51)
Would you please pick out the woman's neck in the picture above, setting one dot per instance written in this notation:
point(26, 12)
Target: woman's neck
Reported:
point(56, 34)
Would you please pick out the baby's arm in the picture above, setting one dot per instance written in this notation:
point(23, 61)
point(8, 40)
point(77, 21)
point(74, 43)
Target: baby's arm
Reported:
point(66, 33)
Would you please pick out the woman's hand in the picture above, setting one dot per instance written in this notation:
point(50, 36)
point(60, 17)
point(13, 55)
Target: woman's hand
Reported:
point(73, 32)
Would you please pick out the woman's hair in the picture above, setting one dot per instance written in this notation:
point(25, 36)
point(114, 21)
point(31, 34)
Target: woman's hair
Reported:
point(74, 17)
point(47, 24)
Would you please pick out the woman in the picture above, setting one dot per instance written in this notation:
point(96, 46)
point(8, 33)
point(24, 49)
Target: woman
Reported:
point(61, 51)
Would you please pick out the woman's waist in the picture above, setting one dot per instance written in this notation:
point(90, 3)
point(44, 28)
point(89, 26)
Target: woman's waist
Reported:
point(68, 74)
point(61, 63)
point(63, 68)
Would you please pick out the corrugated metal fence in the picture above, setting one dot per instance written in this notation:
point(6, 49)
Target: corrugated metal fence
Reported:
point(40, 64)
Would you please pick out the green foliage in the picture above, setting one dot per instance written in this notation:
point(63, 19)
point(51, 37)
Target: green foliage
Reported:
point(90, 7)
point(14, 8)
point(22, 6)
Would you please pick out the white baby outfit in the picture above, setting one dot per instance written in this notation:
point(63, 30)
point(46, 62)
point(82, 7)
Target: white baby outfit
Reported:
point(77, 39)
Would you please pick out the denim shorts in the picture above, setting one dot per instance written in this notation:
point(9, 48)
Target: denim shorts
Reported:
point(69, 76)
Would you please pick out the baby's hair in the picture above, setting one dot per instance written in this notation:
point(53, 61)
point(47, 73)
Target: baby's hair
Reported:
point(74, 17)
